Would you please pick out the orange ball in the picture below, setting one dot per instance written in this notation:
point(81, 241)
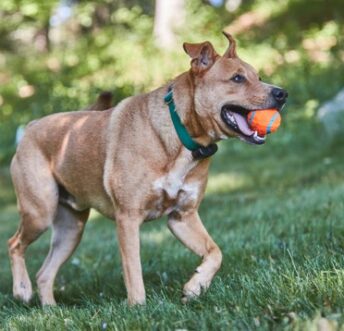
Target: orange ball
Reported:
point(264, 121)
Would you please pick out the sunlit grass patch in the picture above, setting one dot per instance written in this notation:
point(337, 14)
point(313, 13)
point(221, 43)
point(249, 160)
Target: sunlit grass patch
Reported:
point(226, 182)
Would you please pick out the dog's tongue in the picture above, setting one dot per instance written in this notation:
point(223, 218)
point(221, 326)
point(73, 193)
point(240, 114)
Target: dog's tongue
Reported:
point(242, 124)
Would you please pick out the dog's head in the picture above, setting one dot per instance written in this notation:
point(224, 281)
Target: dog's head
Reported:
point(226, 89)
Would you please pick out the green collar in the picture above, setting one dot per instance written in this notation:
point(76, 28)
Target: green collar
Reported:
point(182, 133)
point(198, 151)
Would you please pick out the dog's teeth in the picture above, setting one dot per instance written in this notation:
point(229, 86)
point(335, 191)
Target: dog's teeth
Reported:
point(231, 118)
point(257, 137)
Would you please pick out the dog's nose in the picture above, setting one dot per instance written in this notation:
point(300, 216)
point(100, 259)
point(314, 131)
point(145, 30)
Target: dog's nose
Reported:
point(279, 94)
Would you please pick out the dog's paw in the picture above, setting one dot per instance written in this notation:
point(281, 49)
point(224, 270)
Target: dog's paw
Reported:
point(194, 287)
point(136, 303)
point(22, 290)
point(45, 291)
point(48, 301)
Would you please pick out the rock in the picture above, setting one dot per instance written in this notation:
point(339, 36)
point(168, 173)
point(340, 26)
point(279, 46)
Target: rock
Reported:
point(331, 114)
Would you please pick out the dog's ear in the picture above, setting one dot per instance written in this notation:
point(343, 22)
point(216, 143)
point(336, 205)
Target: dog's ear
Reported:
point(203, 55)
point(231, 50)
point(103, 102)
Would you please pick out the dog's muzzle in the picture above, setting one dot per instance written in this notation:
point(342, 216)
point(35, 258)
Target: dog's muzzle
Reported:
point(235, 119)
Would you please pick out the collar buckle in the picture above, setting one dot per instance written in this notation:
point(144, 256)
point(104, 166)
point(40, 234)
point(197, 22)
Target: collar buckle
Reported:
point(168, 98)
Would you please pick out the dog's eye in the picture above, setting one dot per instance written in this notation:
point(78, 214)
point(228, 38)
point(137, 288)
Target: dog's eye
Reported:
point(238, 78)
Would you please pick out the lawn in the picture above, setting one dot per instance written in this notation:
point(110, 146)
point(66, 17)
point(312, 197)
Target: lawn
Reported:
point(275, 211)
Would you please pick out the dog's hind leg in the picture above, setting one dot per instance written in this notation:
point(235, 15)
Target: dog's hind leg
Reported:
point(67, 230)
point(188, 228)
point(37, 196)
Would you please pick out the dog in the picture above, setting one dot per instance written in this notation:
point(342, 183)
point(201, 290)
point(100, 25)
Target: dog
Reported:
point(147, 157)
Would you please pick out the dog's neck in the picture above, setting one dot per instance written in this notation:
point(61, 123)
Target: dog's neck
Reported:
point(160, 119)
point(184, 96)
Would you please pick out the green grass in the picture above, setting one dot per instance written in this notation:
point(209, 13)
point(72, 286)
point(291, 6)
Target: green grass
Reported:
point(276, 212)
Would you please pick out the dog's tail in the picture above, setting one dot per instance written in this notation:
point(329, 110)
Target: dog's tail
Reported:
point(103, 102)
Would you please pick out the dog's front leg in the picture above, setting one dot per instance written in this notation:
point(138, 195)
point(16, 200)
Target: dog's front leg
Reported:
point(188, 228)
point(129, 243)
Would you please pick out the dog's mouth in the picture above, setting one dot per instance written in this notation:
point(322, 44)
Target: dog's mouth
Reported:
point(235, 118)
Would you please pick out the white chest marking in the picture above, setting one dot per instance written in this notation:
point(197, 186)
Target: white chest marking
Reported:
point(189, 193)
point(174, 186)
point(179, 193)
point(171, 184)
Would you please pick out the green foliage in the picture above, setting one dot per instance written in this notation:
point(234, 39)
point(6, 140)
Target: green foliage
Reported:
point(109, 46)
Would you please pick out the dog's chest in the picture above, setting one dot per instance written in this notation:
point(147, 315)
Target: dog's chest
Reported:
point(173, 193)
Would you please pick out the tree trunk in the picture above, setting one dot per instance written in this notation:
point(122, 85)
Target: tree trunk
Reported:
point(42, 39)
point(169, 16)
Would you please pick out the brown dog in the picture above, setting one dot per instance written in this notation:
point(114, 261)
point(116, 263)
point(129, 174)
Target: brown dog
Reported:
point(130, 164)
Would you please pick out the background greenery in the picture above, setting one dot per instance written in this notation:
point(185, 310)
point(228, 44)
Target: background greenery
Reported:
point(276, 211)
